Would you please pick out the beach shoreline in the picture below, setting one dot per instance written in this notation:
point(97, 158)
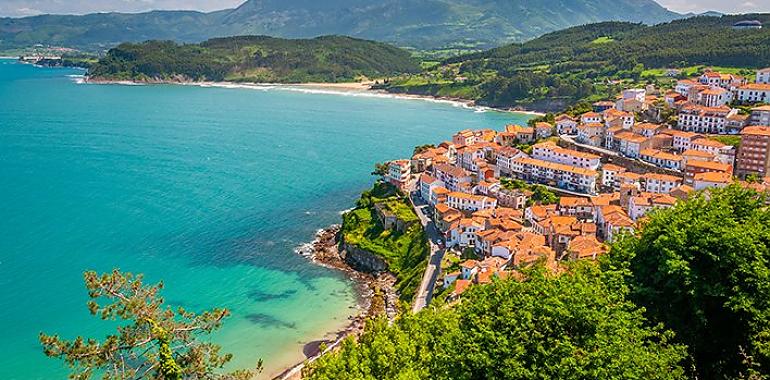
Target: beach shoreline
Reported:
point(344, 88)
point(325, 251)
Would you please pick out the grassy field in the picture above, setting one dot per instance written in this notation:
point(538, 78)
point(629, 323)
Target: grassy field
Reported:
point(406, 253)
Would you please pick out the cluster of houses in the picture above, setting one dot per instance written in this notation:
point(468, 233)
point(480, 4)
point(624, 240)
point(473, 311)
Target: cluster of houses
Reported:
point(609, 170)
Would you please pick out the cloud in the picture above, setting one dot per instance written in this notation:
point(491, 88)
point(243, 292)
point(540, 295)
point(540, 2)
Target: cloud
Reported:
point(19, 8)
point(698, 6)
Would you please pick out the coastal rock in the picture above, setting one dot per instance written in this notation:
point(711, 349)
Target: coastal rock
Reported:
point(363, 260)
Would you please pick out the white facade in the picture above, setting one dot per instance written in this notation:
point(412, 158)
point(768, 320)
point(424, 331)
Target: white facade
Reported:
point(763, 76)
point(554, 153)
point(754, 93)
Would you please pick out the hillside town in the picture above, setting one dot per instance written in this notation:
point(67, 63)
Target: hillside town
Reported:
point(605, 169)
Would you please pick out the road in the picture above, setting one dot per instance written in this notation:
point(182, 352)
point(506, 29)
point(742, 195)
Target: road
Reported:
point(432, 271)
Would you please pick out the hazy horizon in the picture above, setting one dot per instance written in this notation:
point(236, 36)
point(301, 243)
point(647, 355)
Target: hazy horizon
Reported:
point(21, 8)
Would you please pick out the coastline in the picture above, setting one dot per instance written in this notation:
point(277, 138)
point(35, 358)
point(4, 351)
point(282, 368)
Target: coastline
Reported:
point(344, 88)
point(324, 251)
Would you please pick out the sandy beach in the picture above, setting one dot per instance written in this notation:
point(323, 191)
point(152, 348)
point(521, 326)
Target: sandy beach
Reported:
point(324, 251)
point(346, 88)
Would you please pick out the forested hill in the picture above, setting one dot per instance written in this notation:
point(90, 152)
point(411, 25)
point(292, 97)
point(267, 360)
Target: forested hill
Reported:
point(255, 59)
point(422, 24)
point(576, 63)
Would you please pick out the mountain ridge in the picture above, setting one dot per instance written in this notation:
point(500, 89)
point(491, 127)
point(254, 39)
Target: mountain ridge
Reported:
point(422, 24)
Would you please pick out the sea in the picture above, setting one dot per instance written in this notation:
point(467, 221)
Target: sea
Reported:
point(209, 189)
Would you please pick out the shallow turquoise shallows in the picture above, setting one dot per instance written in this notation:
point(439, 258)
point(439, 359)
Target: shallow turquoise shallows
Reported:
point(207, 189)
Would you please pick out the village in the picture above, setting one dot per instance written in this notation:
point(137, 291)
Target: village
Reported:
point(604, 170)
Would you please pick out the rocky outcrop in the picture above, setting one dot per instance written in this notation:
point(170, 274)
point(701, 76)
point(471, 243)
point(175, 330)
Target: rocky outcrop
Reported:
point(361, 259)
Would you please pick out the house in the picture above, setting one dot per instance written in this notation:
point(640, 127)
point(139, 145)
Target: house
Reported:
point(723, 153)
point(672, 97)
point(425, 160)
point(585, 248)
point(753, 93)
point(559, 175)
point(603, 105)
point(700, 119)
point(523, 134)
point(537, 213)
point(641, 204)
point(609, 175)
point(516, 199)
point(400, 174)
point(660, 183)
point(614, 222)
point(614, 117)
point(591, 117)
point(454, 177)
point(543, 130)
point(470, 202)
point(709, 180)
point(631, 144)
point(760, 115)
point(427, 185)
point(763, 76)
point(714, 97)
point(647, 129)
point(566, 125)
point(693, 167)
point(444, 216)
point(464, 138)
point(684, 86)
point(625, 179)
point(549, 151)
point(754, 153)
point(505, 157)
point(578, 207)
point(661, 159)
point(736, 122)
point(591, 134)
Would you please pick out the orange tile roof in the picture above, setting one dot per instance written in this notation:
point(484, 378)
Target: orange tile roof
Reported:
point(756, 87)
point(613, 168)
point(661, 155)
point(712, 165)
point(573, 201)
point(715, 177)
point(697, 153)
point(756, 130)
point(629, 136)
point(662, 177)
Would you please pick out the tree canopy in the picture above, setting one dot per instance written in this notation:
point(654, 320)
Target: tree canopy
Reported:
point(701, 268)
point(575, 326)
point(156, 341)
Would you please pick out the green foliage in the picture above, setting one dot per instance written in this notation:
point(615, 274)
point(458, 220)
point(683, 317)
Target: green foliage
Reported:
point(422, 148)
point(540, 194)
point(701, 268)
point(405, 253)
point(380, 169)
point(256, 59)
point(575, 326)
point(157, 342)
point(728, 140)
point(585, 63)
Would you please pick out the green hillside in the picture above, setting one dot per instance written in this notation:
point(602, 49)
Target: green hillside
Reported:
point(576, 63)
point(423, 24)
point(255, 59)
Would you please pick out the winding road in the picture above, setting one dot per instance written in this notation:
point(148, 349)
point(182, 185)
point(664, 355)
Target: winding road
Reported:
point(433, 270)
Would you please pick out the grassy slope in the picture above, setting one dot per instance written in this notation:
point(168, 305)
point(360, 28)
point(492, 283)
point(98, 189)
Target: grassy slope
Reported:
point(406, 253)
point(257, 59)
point(576, 63)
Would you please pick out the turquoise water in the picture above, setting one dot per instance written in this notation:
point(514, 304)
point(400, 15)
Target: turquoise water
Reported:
point(208, 189)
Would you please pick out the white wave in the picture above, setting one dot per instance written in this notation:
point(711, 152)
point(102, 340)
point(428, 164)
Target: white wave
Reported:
point(343, 212)
point(304, 249)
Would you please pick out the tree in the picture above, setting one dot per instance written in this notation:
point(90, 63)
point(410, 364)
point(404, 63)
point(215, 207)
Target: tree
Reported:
point(703, 269)
point(543, 196)
point(578, 325)
point(380, 169)
point(156, 343)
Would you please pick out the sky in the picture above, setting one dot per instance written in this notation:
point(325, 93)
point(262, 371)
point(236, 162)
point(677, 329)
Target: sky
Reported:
point(18, 8)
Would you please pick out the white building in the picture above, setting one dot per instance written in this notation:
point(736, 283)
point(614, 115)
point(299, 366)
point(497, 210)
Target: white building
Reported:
point(661, 183)
point(763, 76)
point(400, 174)
point(558, 175)
point(754, 93)
point(566, 125)
point(469, 202)
point(548, 151)
point(700, 119)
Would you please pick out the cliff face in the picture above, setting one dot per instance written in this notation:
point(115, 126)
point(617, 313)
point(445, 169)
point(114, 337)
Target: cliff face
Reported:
point(362, 260)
